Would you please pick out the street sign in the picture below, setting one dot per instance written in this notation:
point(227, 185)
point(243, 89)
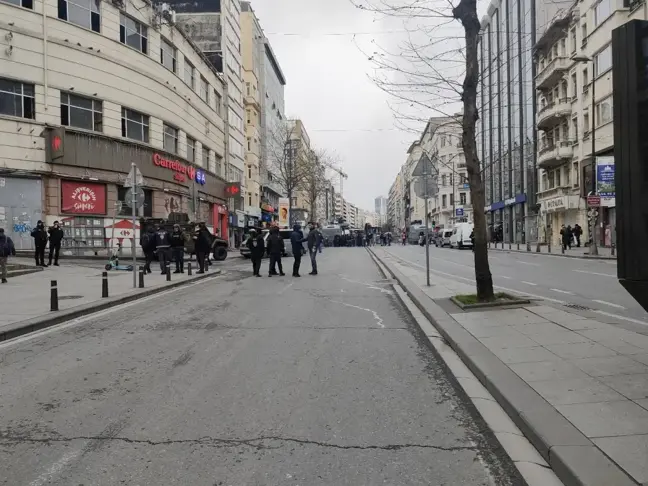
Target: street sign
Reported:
point(460, 212)
point(594, 200)
point(424, 167)
point(425, 188)
point(134, 176)
point(139, 198)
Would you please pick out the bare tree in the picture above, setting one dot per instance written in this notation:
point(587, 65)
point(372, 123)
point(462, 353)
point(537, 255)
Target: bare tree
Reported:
point(431, 81)
point(317, 182)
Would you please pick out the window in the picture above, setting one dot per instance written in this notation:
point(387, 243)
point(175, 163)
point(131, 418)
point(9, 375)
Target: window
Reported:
point(584, 33)
point(551, 180)
point(204, 90)
point(168, 55)
point(451, 199)
point(249, 170)
point(85, 13)
point(563, 47)
point(585, 80)
point(574, 85)
point(218, 164)
point(558, 172)
point(462, 198)
point(205, 158)
point(603, 61)
point(170, 139)
point(586, 125)
point(189, 71)
point(444, 180)
point(248, 116)
point(249, 144)
point(576, 174)
point(247, 87)
point(22, 3)
point(443, 141)
point(133, 34)
point(567, 175)
point(16, 99)
point(219, 102)
point(604, 111)
point(602, 11)
point(191, 149)
point(444, 200)
point(575, 129)
point(80, 112)
point(572, 36)
point(135, 125)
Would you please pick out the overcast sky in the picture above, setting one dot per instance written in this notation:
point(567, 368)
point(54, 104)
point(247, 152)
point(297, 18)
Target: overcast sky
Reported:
point(330, 89)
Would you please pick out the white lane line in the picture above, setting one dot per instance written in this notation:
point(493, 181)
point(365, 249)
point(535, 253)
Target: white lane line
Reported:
point(528, 283)
point(616, 316)
point(596, 273)
point(528, 263)
point(379, 320)
point(56, 468)
point(286, 288)
point(608, 303)
point(562, 291)
point(503, 276)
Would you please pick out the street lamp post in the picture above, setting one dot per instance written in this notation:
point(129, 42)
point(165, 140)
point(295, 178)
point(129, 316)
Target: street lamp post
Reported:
point(594, 213)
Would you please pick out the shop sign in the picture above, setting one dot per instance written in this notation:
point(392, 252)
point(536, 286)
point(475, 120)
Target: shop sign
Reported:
point(556, 204)
point(233, 189)
point(182, 172)
point(83, 198)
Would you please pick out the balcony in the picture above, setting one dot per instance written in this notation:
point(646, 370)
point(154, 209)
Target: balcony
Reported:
point(553, 72)
point(551, 114)
point(552, 155)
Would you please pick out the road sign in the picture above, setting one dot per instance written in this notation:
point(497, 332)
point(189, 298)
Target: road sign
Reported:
point(134, 176)
point(139, 198)
point(460, 212)
point(594, 200)
point(425, 187)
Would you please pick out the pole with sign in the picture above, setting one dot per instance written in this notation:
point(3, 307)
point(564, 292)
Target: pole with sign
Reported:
point(426, 187)
point(134, 180)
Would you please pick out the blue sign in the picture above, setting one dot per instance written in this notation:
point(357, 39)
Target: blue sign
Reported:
point(519, 199)
point(605, 185)
point(200, 177)
point(466, 185)
point(460, 212)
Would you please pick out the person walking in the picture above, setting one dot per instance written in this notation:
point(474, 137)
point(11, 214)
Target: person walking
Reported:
point(296, 241)
point(7, 249)
point(320, 245)
point(202, 244)
point(570, 236)
point(578, 232)
point(55, 238)
point(40, 242)
point(147, 242)
point(564, 236)
point(177, 248)
point(257, 247)
point(276, 247)
point(163, 247)
point(312, 241)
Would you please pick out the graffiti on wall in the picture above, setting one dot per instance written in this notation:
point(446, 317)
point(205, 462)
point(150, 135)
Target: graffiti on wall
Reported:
point(22, 228)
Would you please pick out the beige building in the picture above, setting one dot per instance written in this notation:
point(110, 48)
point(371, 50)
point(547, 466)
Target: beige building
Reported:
point(301, 153)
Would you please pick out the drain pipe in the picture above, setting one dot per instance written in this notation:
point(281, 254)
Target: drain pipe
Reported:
point(45, 55)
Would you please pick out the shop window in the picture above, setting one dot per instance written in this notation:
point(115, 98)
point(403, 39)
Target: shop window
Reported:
point(135, 125)
point(191, 149)
point(168, 55)
point(146, 211)
point(170, 141)
point(85, 13)
point(189, 73)
point(133, 33)
point(21, 3)
point(16, 99)
point(81, 112)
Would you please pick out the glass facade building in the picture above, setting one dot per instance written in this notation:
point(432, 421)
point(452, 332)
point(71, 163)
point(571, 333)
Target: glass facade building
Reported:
point(506, 134)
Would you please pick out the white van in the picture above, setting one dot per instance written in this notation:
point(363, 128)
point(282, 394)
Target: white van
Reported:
point(461, 235)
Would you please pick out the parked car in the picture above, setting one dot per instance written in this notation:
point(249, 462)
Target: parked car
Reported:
point(443, 238)
point(461, 236)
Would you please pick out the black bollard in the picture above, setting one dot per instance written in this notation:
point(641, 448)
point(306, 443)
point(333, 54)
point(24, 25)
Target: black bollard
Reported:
point(206, 265)
point(563, 249)
point(509, 245)
point(189, 269)
point(53, 296)
point(104, 285)
point(518, 247)
point(612, 249)
point(528, 246)
point(168, 272)
point(141, 277)
point(548, 247)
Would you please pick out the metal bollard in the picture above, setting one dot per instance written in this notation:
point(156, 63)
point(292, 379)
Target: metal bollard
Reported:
point(53, 296)
point(612, 250)
point(168, 272)
point(528, 246)
point(548, 247)
point(538, 248)
point(104, 285)
point(509, 245)
point(189, 269)
point(206, 265)
point(141, 277)
point(518, 247)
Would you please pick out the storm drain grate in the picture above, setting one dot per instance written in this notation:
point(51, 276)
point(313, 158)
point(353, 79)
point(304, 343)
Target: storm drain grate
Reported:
point(70, 297)
point(577, 307)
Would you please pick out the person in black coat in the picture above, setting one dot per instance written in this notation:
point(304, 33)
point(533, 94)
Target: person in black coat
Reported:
point(55, 238)
point(276, 247)
point(147, 242)
point(203, 241)
point(177, 248)
point(40, 242)
point(257, 247)
point(296, 241)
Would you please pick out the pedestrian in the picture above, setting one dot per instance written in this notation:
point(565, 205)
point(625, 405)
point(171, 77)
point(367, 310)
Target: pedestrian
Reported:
point(276, 248)
point(472, 240)
point(564, 236)
point(7, 249)
point(202, 243)
point(257, 247)
point(312, 240)
point(578, 232)
point(404, 238)
point(55, 238)
point(320, 245)
point(570, 236)
point(40, 242)
point(296, 241)
point(147, 242)
point(163, 247)
point(177, 248)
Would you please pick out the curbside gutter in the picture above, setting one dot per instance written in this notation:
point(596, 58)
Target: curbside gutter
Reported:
point(558, 254)
point(43, 322)
point(573, 457)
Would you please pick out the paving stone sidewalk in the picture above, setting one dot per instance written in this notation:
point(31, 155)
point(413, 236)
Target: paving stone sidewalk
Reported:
point(594, 373)
point(604, 253)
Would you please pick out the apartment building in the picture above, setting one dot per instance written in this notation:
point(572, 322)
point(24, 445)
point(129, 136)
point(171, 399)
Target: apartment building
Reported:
point(299, 149)
point(396, 204)
point(86, 90)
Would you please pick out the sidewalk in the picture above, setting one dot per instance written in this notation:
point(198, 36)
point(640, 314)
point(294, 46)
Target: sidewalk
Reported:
point(25, 299)
point(604, 253)
point(577, 387)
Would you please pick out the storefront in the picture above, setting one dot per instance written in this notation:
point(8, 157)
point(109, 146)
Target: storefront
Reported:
point(221, 221)
point(500, 228)
point(558, 211)
point(87, 191)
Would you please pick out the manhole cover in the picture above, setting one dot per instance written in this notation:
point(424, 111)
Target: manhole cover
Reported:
point(577, 307)
point(71, 297)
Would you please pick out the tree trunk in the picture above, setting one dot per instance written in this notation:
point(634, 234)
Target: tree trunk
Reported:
point(466, 13)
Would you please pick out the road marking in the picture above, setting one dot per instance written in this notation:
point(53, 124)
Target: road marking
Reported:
point(379, 320)
point(562, 291)
point(608, 303)
point(80, 320)
point(596, 273)
point(56, 468)
point(504, 276)
point(528, 263)
point(616, 316)
point(529, 283)
point(286, 288)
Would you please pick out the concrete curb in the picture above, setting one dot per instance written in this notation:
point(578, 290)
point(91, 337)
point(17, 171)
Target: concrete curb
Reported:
point(573, 457)
point(544, 253)
point(43, 322)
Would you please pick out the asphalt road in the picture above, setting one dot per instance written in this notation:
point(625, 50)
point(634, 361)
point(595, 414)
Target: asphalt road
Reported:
point(243, 381)
point(586, 282)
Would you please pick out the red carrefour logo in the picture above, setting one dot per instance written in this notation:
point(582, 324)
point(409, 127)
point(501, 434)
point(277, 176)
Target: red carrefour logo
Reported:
point(56, 143)
point(233, 189)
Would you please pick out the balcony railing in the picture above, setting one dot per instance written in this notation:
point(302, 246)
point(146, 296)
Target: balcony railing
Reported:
point(553, 113)
point(552, 72)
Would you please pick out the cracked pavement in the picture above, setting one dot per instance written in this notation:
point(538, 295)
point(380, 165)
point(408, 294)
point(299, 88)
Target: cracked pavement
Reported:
point(239, 381)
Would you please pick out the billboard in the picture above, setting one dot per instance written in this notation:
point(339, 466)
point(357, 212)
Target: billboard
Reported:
point(284, 211)
point(605, 185)
point(79, 197)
